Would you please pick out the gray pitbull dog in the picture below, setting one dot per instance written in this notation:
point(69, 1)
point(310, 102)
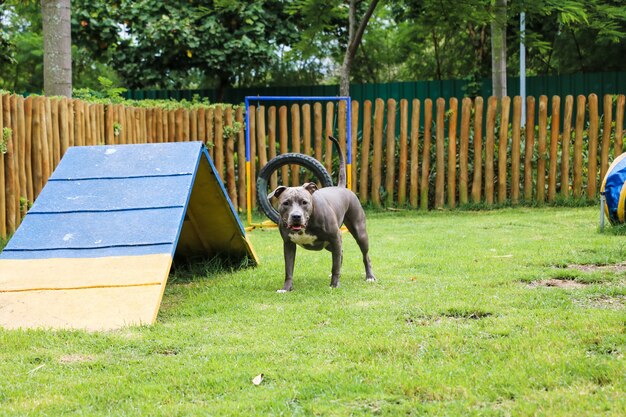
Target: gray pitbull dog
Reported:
point(312, 218)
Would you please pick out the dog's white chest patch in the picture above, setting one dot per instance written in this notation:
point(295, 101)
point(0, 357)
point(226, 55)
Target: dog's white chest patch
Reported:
point(302, 238)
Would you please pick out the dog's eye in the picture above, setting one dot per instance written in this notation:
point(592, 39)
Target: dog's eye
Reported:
point(304, 202)
point(285, 203)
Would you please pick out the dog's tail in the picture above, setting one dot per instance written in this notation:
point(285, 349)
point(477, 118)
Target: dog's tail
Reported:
point(342, 163)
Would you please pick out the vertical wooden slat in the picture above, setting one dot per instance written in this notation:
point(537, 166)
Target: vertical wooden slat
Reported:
point(179, 129)
point(21, 145)
point(70, 121)
point(94, 124)
point(271, 128)
point(341, 125)
point(390, 157)
point(414, 171)
point(403, 151)
point(377, 157)
point(37, 155)
point(78, 122)
point(49, 136)
point(109, 136)
point(261, 136)
point(529, 148)
point(160, 127)
point(295, 142)
point(15, 158)
point(542, 148)
point(619, 125)
point(554, 147)
point(317, 127)
point(606, 135)
point(130, 125)
point(365, 151)
point(440, 154)
point(120, 117)
point(201, 122)
point(284, 141)
point(193, 125)
point(99, 138)
point(28, 120)
point(503, 142)
point(241, 159)
point(478, 151)
point(578, 146)
point(306, 136)
point(219, 140)
point(45, 145)
point(149, 115)
point(516, 148)
point(9, 166)
point(3, 203)
point(230, 155)
point(354, 143)
point(466, 113)
point(425, 177)
point(187, 126)
point(592, 179)
point(566, 140)
point(328, 155)
point(492, 105)
point(452, 151)
point(143, 126)
point(171, 128)
point(210, 122)
point(306, 130)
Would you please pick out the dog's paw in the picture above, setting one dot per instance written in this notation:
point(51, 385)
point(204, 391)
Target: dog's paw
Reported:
point(282, 291)
point(370, 279)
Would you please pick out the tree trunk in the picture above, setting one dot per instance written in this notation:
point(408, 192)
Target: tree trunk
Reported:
point(355, 36)
point(57, 45)
point(498, 49)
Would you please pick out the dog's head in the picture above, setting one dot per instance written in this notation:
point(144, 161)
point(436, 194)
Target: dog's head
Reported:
point(295, 205)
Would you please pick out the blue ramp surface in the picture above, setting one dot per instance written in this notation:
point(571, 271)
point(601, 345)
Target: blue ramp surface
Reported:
point(126, 210)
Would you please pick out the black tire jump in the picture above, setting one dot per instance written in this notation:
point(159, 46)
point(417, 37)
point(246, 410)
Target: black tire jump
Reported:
point(273, 165)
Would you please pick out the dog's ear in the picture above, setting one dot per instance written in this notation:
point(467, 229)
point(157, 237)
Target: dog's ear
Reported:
point(277, 192)
point(310, 187)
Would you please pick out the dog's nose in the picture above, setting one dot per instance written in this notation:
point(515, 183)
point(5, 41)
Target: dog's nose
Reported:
point(296, 217)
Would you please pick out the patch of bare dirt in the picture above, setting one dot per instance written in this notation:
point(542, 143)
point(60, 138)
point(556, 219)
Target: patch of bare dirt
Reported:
point(609, 302)
point(558, 283)
point(616, 268)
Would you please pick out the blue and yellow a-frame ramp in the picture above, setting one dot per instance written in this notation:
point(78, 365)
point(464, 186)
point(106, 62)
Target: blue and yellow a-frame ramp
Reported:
point(95, 250)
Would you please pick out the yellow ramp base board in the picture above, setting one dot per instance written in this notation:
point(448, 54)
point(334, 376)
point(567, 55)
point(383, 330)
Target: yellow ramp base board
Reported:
point(88, 309)
point(71, 273)
point(79, 293)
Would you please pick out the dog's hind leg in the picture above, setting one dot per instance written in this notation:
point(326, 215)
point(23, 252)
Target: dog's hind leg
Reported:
point(356, 227)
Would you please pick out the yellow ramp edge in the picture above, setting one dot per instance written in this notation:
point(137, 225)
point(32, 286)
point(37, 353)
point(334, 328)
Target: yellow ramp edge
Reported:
point(78, 293)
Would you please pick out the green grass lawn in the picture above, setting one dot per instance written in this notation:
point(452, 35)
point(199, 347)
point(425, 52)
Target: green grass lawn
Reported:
point(468, 317)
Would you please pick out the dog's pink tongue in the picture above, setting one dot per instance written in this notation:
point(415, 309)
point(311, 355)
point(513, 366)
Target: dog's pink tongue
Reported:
point(296, 228)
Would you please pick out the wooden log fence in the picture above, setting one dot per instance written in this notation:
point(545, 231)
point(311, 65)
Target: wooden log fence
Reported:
point(406, 154)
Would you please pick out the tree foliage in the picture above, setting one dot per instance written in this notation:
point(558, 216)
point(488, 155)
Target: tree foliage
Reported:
point(166, 44)
point(210, 43)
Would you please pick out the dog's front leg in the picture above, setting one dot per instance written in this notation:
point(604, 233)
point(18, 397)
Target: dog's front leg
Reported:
point(289, 249)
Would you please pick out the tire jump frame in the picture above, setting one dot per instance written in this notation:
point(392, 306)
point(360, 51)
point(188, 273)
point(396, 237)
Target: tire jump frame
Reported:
point(291, 158)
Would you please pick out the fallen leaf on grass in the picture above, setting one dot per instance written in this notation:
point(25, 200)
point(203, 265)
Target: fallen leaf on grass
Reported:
point(257, 379)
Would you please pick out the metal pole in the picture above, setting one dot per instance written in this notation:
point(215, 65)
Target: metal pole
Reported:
point(522, 64)
point(248, 185)
point(349, 143)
